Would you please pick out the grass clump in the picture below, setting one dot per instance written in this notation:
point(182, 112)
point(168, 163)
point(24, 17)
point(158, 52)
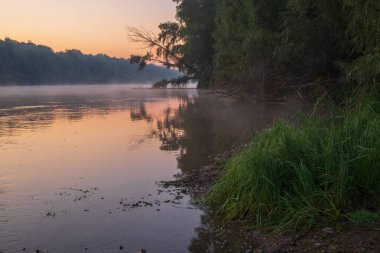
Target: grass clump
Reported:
point(295, 177)
point(364, 217)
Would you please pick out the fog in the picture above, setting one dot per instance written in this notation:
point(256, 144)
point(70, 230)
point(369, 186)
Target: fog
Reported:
point(77, 89)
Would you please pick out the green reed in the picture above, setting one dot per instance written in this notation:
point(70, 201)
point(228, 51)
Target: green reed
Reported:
point(294, 177)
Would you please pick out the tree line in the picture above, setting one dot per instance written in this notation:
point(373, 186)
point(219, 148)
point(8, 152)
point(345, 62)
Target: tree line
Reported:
point(268, 46)
point(28, 63)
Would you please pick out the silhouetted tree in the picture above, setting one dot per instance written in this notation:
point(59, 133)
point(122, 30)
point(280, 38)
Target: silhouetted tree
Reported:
point(186, 45)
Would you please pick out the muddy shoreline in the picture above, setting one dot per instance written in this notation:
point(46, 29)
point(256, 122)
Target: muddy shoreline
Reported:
point(237, 236)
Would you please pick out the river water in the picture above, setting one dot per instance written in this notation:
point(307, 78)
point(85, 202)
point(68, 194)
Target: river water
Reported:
point(80, 166)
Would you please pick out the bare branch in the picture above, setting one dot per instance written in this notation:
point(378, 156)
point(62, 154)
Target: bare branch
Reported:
point(166, 54)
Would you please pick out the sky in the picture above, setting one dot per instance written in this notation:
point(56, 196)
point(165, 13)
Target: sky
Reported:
point(92, 26)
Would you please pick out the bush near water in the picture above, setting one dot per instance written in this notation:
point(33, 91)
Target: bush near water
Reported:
point(319, 172)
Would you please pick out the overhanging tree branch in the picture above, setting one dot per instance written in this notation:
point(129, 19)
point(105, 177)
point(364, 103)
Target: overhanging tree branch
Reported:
point(167, 47)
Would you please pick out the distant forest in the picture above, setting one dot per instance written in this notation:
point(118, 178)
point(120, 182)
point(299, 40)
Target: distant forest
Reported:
point(28, 63)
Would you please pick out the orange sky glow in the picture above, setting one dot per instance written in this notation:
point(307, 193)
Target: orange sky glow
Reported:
point(92, 26)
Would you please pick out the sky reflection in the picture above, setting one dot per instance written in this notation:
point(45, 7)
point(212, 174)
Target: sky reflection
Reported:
point(114, 143)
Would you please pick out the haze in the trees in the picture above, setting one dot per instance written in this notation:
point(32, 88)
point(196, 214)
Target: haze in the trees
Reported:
point(27, 63)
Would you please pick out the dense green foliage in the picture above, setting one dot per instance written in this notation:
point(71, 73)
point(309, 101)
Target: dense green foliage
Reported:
point(27, 63)
point(197, 25)
point(264, 45)
point(268, 47)
point(296, 177)
point(246, 34)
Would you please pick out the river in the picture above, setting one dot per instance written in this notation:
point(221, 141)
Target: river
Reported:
point(81, 166)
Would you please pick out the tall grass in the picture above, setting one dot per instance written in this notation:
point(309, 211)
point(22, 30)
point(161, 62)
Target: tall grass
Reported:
point(295, 177)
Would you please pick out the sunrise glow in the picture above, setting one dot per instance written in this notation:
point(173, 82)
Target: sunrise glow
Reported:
point(92, 26)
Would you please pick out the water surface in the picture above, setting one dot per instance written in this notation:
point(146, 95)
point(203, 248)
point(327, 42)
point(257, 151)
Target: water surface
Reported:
point(80, 166)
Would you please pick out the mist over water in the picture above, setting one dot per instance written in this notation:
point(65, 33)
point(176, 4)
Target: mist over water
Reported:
point(80, 166)
point(100, 90)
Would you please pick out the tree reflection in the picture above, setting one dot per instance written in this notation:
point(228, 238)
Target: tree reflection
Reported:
point(199, 128)
point(138, 112)
point(170, 130)
point(188, 131)
point(202, 127)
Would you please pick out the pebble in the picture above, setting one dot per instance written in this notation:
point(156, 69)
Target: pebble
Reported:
point(328, 230)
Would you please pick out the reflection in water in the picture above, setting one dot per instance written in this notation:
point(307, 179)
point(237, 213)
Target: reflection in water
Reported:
point(38, 113)
point(84, 138)
point(138, 112)
point(201, 127)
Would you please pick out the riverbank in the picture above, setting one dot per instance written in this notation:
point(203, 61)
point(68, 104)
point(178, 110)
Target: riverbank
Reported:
point(333, 224)
point(239, 236)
